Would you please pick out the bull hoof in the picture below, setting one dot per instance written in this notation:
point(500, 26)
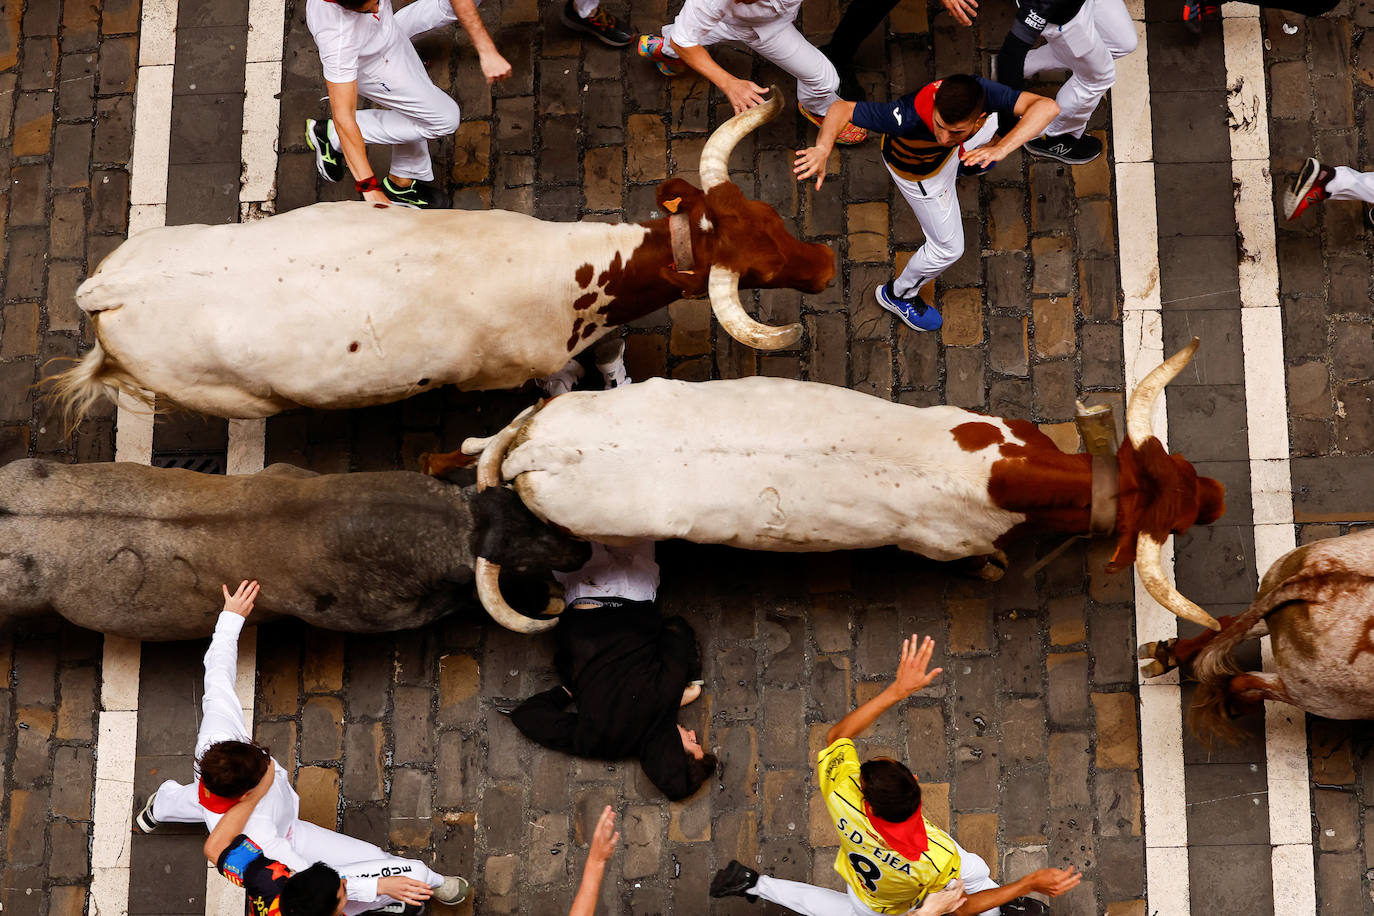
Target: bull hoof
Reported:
point(1157, 657)
point(994, 567)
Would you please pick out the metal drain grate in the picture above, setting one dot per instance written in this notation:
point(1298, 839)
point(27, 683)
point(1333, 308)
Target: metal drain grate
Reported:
point(201, 462)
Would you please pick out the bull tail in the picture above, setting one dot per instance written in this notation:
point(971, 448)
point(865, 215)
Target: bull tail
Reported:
point(96, 376)
point(1210, 715)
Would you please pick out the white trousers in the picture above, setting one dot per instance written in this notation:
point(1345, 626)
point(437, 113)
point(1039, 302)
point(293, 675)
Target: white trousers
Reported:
point(1088, 44)
point(350, 857)
point(585, 8)
point(936, 206)
point(818, 82)
point(810, 900)
point(1348, 184)
point(416, 111)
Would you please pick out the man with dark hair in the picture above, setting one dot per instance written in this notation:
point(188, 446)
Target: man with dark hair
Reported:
point(1084, 37)
point(930, 137)
point(365, 51)
point(892, 859)
point(230, 764)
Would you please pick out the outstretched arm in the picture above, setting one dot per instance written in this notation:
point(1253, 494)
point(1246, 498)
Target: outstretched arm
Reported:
point(236, 818)
point(494, 66)
point(911, 677)
point(222, 715)
point(1049, 881)
point(1035, 111)
point(603, 846)
point(743, 94)
point(343, 108)
point(812, 160)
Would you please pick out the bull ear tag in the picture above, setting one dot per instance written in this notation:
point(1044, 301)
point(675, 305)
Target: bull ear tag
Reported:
point(672, 204)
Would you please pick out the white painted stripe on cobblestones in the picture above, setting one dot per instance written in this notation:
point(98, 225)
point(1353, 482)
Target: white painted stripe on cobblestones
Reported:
point(1285, 729)
point(261, 102)
point(118, 737)
point(1161, 719)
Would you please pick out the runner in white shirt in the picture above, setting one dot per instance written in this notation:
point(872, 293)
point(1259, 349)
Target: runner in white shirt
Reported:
point(225, 751)
point(365, 50)
point(767, 27)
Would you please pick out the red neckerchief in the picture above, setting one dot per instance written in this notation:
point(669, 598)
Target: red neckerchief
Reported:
point(907, 838)
point(925, 105)
point(212, 802)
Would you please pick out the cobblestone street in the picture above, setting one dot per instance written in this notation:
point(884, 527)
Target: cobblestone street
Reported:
point(1029, 746)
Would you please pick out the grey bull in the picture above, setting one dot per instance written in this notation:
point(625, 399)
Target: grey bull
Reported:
point(140, 552)
point(1316, 604)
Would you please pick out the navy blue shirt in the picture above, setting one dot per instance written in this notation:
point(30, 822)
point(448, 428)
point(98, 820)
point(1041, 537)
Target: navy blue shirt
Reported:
point(909, 144)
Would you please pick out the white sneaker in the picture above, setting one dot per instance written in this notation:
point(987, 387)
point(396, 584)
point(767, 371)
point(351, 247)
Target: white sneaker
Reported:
point(453, 890)
point(610, 359)
point(562, 381)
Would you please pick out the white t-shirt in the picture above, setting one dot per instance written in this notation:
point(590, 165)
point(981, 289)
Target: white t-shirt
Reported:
point(345, 37)
point(699, 17)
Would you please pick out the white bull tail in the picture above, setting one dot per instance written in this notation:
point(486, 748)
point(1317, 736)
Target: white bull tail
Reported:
point(93, 377)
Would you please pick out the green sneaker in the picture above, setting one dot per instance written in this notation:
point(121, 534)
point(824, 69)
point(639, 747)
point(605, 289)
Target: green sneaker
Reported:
point(328, 161)
point(417, 194)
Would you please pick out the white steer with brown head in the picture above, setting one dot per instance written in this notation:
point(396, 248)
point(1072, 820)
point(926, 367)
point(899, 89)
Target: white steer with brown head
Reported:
point(776, 464)
point(351, 304)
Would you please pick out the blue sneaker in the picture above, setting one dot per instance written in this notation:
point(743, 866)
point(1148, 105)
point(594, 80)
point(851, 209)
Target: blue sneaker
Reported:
point(914, 312)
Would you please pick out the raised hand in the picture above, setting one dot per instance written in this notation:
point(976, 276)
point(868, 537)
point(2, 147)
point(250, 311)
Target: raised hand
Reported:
point(605, 838)
point(911, 670)
point(241, 601)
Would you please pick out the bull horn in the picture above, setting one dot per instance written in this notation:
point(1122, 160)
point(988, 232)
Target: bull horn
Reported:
point(1142, 404)
point(1150, 567)
point(714, 167)
point(488, 576)
point(724, 290)
point(492, 450)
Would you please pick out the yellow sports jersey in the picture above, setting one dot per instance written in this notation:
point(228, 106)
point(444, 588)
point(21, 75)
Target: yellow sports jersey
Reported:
point(884, 881)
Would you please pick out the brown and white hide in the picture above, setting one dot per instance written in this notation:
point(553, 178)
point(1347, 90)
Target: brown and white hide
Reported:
point(141, 552)
point(1316, 603)
point(760, 463)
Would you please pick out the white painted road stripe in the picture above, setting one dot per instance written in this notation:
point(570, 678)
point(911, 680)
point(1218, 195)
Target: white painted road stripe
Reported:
point(1285, 728)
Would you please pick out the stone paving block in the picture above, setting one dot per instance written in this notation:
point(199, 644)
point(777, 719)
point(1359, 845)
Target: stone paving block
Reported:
point(322, 729)
point(364, 748)
point(72, 792)
point(318, 788)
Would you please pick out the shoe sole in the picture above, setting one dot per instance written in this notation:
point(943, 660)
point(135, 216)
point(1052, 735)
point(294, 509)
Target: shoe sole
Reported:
point(1293, 198)
point(1067, 160)
point(878, 295)
point(320, 165)
point(580, 26)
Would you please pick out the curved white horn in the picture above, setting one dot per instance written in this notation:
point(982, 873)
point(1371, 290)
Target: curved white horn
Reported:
point(714, 166)
point(1138, 425)
point(488, 576)
point(1150, 568)
point(492, 449)
point(724, 290)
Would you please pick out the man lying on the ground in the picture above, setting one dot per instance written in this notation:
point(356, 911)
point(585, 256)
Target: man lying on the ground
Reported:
point(229, 764)
point(892, 859)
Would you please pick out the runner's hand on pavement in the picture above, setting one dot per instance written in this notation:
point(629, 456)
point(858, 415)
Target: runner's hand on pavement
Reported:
point(406, 890)
point(911, 670)
point(811, 161)
point(241, 601)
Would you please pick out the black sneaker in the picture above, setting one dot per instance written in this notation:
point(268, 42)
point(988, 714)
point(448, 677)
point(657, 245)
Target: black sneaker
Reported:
point(600, 23)
point(1025, 906)
point(734, 880)
point(1065, 148)
point(328, 161)
point(418, 194)
point(144, 822)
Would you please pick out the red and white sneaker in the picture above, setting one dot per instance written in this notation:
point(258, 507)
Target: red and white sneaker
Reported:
point(1308, 189)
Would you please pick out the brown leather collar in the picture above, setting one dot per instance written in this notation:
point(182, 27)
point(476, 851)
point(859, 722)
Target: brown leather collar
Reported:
point(680, 234)
point(1106, 487)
